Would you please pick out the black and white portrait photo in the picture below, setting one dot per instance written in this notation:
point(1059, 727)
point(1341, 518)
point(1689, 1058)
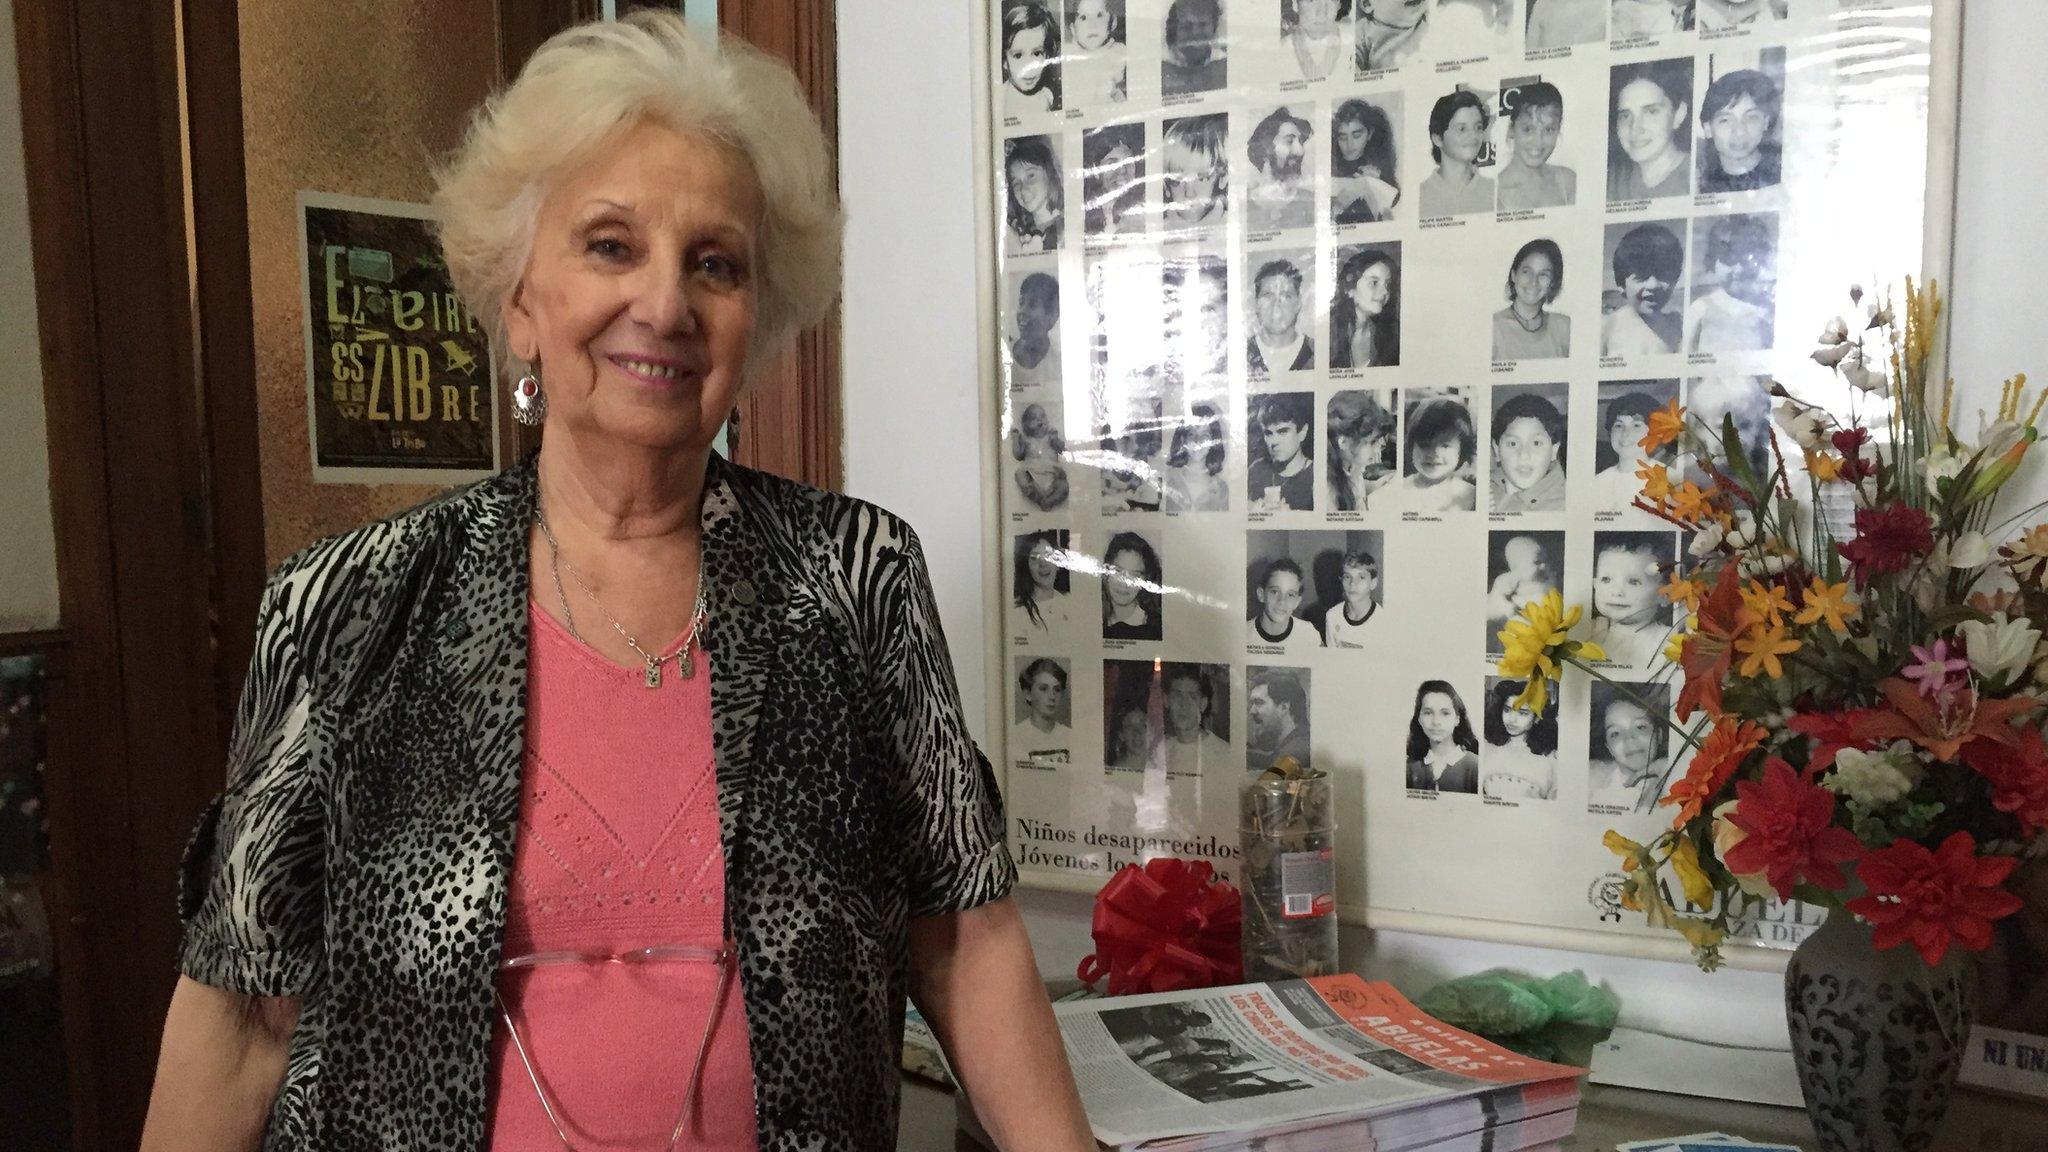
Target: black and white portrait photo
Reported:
point(1280, 181)
point(1280, 341)
point(1742, 126)
point(1650, 111)
point(1726, 15)
point(1196, 58)
point(1559, 23)
point(1132, 588)
point(1627, 746)
point(1390, 33)
point(1034, 215)
point(1197, 170)
point(1030, 41)
point(1113, 180)
point(1519, 760)
point(1041, 584)
point(1195, 739)
point(1442, 750)
point(1735, 283)
point(1195, 298)
point(1631, 20)
point(1631, 618)
point(1621, 423)
point(1528, 180)
point(1316, 36)
point(1043, 730)
point(1529, 328)
point(1131, 456)
point(1439, 452)
point(1365, 307)
point(1711, 402)
point(1529, 423)
point(1522, 567)
point(1461, 148)
point(1094, 68)
point(1276, 716)
point(1280, 621)
point(1038, 454)
point(1365, 181)
point(1359, 427)
point(1197, 455)
point(1282, 475)
point(1031, 329)
point(1642, 304)
point(1131, 725)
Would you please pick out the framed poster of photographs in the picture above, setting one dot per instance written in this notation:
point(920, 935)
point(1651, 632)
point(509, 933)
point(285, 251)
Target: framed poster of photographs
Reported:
point(1325, 333)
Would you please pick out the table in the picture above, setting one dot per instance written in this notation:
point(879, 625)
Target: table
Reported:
point(1977, 1121)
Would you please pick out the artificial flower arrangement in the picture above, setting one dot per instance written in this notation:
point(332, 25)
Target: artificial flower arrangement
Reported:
point(1863, 715)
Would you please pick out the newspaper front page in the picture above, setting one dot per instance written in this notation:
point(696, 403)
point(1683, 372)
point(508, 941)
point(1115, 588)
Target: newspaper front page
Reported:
point(1256, 1056)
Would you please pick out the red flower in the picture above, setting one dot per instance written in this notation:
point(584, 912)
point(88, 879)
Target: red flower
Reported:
point(1887, 540)
point(1942, 727)
point(1849, 442)
point(1709, 649)
point(1719, 755)
point(1831, 733)
point(2018, 775)
point(1933, 898)
point(1792, 835)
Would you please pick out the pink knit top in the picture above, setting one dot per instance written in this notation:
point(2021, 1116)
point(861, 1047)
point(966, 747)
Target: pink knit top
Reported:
point(617, 850)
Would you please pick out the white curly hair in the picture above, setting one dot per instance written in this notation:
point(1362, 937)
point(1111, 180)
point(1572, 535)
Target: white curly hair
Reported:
point(585, 87)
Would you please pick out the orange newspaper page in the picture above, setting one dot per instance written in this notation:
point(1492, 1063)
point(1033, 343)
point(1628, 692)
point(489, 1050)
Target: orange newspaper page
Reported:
point(1385, 1015)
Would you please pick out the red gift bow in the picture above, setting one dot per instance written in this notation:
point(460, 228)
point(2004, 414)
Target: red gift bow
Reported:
point(1163, 927)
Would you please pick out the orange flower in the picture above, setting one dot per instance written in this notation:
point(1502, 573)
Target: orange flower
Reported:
point(1941, 726)
point(1760, 648)
point(1829, 602)
point(1656, 483)
point(1666, 424)
point(1766, 602)
point(1824, 465)
point(1681, 589)
point(1719, 755)
point(1691, 502)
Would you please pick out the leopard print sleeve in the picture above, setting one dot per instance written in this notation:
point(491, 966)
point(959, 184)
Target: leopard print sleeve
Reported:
point(251, 882)
point(950, 811)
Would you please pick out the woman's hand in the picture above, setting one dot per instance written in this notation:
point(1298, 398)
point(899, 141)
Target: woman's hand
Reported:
point(222, 1063)
point(973, 977)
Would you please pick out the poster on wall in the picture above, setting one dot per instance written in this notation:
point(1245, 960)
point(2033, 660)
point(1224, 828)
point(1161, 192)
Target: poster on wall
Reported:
point(1327, 333)
point(398, 373)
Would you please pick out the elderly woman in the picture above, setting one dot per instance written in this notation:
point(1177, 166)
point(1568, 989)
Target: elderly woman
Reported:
point(622, 796)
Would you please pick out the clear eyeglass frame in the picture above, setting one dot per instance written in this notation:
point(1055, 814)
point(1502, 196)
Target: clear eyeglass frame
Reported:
point(724, 957)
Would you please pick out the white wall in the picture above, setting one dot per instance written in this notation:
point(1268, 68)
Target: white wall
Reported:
point(28, 551)
point(913, 369)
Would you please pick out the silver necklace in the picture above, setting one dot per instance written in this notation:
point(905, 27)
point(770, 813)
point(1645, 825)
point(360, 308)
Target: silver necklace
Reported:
point(686, 665)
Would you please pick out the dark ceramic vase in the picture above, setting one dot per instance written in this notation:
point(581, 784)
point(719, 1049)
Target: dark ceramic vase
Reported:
point(1878, 1037)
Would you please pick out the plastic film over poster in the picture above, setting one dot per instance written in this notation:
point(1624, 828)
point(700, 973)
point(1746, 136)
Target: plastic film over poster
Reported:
point(1328, 332)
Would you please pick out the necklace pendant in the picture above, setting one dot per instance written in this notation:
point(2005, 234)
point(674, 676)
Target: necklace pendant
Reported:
point(654, 673)
point(685, 663)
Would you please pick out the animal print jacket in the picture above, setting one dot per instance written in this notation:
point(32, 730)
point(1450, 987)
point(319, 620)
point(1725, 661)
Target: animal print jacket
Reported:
point(359, 855)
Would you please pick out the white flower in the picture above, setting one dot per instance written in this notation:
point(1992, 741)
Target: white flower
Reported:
point(1875, 778)
point(1929, 581)
point(1768, 564)
point(1880, 317)
point(1742, 534)
point(1836, 332)
point(1857, 371)
point(1833, 354)
point(1999, 649)
point(1799, 422)
point(1971, 550)
point(1706, 539)
point(1996, 438)
point(1941, 464)
point(1726, 837)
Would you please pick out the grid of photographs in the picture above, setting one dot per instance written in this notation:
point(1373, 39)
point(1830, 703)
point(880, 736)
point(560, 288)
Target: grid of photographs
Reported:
point(1330, 330)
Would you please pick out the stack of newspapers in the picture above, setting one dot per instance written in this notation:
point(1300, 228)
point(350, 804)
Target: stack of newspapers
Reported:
point(1332, 1062)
